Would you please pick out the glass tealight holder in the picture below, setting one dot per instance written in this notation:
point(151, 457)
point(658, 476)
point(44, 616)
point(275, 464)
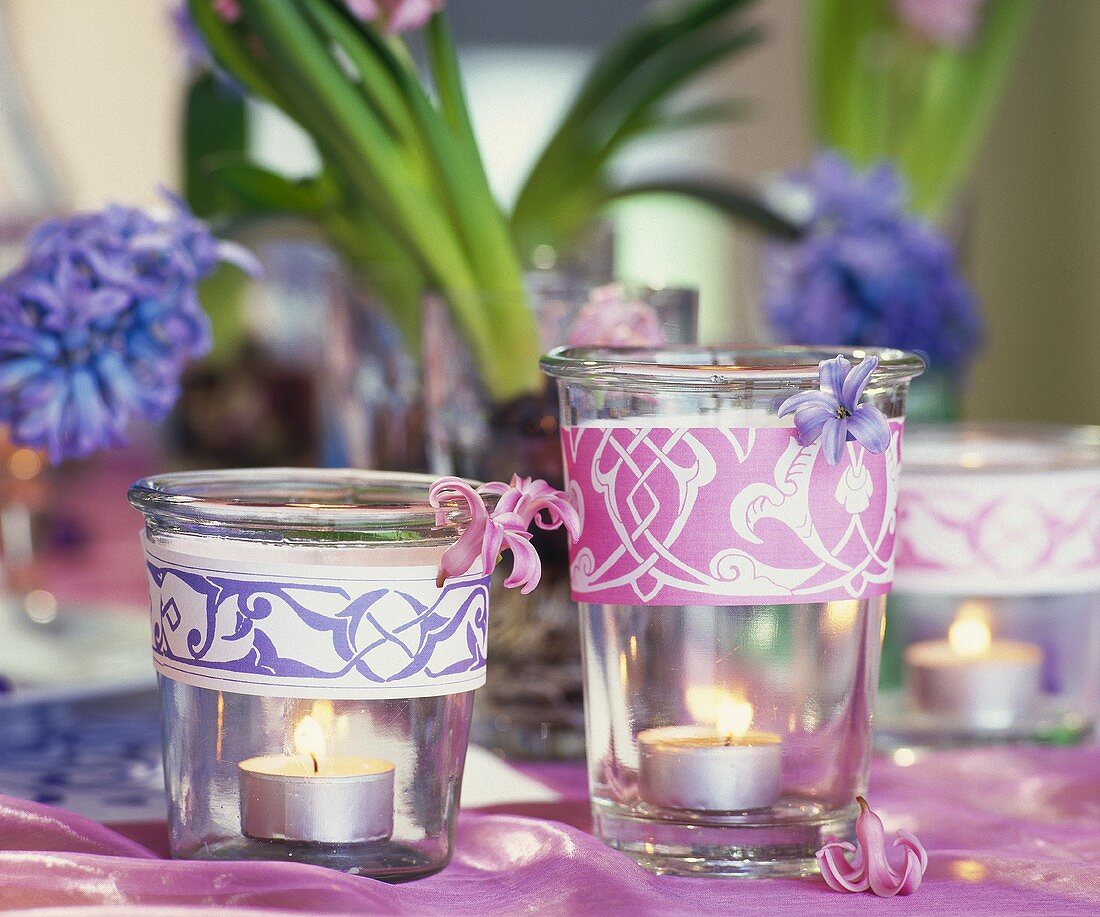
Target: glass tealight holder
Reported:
point(731, 586)
point(994, 621)
point(316, 685)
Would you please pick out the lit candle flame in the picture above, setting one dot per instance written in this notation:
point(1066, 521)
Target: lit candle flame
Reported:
point(734, 717)
point(969, 634)
point(730, 713)
point(325, 713)
point(309, 741)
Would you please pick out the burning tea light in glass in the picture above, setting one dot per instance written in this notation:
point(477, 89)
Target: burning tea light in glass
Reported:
point(318, 636)
point(994, 631)
point(726, 767)
point(712, 486)
point(971, 677)
point(313, 797)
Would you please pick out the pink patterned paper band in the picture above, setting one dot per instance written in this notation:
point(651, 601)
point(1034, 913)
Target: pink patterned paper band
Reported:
point(999, 533)
point(736, 515)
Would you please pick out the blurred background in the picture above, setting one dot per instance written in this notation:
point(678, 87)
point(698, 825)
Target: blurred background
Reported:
point(915, 173)
point(100, 87)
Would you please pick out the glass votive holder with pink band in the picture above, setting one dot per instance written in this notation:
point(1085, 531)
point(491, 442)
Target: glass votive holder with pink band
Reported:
point(994, 621)
point(737, 511)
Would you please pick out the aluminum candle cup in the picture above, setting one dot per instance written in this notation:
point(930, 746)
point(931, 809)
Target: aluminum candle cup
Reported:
point(994, 624)
point(316, 683)
point(731, 584)
point(313, 797)
point(347, 800)
point(995, 689)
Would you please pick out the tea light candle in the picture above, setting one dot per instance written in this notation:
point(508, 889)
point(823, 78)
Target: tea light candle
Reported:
point(724, 768)
point(972, 678)
point(312, 797)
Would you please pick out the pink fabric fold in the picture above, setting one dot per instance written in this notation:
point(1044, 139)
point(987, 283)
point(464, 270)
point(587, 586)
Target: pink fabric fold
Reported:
point(1010, 831)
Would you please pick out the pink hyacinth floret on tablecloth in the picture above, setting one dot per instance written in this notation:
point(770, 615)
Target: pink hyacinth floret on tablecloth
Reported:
point(519, 503)
point(870, 869)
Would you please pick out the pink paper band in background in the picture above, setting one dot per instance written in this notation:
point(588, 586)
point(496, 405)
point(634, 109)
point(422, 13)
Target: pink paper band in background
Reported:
point(999, 533)
point(727, 516)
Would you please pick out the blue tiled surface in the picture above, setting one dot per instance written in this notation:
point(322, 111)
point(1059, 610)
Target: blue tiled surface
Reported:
point(97, 757)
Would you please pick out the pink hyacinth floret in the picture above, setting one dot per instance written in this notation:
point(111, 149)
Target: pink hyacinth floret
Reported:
point(952, 23)
point(536, 501)
point(228, 10)
point(612, 319)
point(395, 16)
point(519, 503)
point(871, 868)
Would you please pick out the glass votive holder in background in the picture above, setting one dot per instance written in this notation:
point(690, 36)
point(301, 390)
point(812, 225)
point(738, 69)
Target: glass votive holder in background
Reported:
point(994, 621)
point(316, 684)
point(731, 586)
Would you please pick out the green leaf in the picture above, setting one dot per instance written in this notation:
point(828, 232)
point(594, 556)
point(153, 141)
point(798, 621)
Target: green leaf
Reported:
point(222, 295)
point(258, 191)
point(634, 102)
point(380, 75)
point(448, 78)
point(214, 125)
point(882, 93)
point(660, 28)
point(686, 119)
point(739, 204)
point(619, 102)
point(848, 65)
point(961, 93)
point(410, 187)
point(225, 44)
point(354, 140)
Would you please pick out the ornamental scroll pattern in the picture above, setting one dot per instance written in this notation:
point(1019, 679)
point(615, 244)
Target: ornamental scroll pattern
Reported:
point(999, 534)
point(346, 637)
point(727, 516)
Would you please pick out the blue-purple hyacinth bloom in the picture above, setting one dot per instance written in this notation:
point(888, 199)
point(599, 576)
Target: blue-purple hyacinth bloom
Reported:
point(866, 273)
point(98, 323)
point(834, 415)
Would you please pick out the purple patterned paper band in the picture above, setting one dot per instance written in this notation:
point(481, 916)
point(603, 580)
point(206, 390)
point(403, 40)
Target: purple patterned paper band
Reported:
point(999, 533)
point(690, 515)
point(268, 627)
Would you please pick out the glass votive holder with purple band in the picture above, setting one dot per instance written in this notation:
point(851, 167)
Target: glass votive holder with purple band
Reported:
point(316, 683)
point(994, 621)
point(731, 573)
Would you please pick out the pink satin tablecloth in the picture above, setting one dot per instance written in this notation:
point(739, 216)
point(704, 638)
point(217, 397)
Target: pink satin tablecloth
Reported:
point(1009, 831)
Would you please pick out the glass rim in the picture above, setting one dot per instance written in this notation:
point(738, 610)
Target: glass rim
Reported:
point(1001, 447)
point(265, 497)
point(717, 367)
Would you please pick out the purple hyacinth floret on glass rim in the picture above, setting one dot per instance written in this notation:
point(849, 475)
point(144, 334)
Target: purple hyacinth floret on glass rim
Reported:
point(834, 414)
point(866, 272)
point(98, 323)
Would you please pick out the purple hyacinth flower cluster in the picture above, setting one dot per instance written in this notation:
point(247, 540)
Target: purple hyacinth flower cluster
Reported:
point(867, 273)
point(98, 323)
